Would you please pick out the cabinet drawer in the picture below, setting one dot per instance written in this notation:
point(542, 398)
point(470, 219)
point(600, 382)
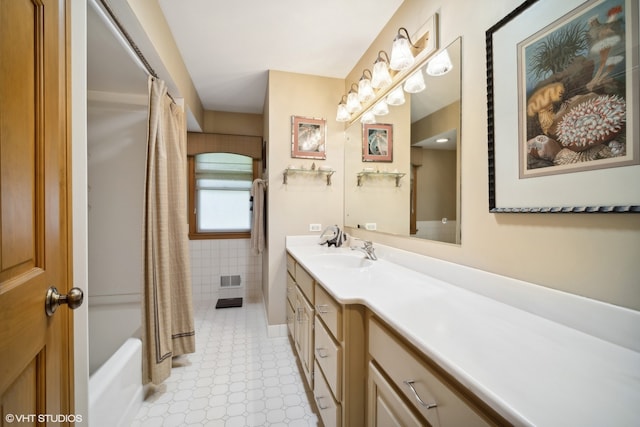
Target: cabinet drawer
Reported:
point(418, 383)
point(330, 312)
point(385, 407)
point(305, 281)
point(330, 410)
point(291, 265)
point(329, 357)
point(291, 290)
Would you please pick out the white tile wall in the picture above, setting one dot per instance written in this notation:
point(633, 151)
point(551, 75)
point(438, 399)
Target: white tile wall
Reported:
point(211, 259)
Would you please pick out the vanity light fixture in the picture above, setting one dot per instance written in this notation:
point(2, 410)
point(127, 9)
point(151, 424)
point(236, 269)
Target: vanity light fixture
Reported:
point(401, 56)
point(353, 103)
point(368, 118)
point(415, 82)
point(380, 77)
point(381, 108)
point(343, 115)
point(442, 140)
point(365, 90)
point(396, 97)
point(440, 64)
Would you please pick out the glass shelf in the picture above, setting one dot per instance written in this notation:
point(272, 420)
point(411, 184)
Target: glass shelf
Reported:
point(395, 175)
point(292, 171)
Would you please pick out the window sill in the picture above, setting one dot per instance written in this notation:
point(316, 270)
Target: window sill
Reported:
point(212, 236)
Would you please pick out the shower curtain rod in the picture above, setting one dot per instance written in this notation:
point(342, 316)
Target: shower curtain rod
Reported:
point(133, 47)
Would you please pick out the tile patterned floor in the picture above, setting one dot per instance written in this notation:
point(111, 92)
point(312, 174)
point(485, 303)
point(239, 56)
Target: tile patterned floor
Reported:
point(237, 377)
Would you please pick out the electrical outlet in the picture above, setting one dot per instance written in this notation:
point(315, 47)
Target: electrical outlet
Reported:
point(370, 226)
point(315, 227)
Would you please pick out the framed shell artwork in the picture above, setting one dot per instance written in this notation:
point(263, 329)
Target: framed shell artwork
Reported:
point(308, 138)
point(563, 122)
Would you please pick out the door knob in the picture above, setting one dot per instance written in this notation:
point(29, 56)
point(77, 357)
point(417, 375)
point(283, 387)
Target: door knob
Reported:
point(53, 300)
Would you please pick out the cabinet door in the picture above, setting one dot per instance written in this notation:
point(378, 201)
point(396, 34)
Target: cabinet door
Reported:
point(385, 407)
point(291, 319)
point(304, 335)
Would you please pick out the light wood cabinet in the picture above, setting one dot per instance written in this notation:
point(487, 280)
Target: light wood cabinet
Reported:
point(385, 407)
point(340, 368)
point(329, 408)
point(300, 315)
point(330, 342)
point(420, 385)
point(291, 304)
point(362, 372)
point(304, 336)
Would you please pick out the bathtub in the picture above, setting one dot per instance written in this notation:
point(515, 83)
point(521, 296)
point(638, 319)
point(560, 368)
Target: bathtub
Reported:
point(115, 389)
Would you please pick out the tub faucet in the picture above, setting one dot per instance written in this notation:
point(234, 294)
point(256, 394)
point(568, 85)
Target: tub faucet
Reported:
point(367, 248)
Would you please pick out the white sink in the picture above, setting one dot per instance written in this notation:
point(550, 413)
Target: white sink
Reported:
point(337, 261)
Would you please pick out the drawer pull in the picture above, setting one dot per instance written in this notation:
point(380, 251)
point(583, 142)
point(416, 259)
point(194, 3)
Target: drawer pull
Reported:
point(415, 393)
point(322, 308)
point(321, 352)
point(319, 400)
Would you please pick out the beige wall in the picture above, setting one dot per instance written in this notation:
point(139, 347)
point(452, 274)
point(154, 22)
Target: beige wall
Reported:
point(594, 255)
point(440, 121)
point(233, 123)
point(437, 175)
point(306, 199)
point(151, 19)
point(436, 185)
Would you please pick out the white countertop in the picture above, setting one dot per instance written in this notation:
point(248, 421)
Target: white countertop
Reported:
point(531, 370)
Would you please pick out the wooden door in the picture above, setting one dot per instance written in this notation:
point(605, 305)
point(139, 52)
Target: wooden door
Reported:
point(413, 200)
point(36, 355)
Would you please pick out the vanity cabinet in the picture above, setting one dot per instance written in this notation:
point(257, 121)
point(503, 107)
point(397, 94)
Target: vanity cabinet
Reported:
point(339, 375)
point(330, 342)
point(300, 315)
point(403, 389)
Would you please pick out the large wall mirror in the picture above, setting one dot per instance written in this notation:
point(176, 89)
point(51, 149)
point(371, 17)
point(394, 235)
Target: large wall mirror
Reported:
point(417, 193)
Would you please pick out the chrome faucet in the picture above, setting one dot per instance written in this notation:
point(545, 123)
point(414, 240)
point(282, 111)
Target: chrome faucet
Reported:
point(367, 248)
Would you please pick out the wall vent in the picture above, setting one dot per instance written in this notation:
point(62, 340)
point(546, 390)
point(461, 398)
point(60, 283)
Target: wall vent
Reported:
point(230, 281)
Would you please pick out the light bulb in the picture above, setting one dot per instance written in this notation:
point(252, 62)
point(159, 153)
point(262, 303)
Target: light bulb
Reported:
point(365, 91)
point(381, 77)
point(440, 64)
point(415, 83)
point(353, 103)
point(368, 118)
point(342, 115)
point(381, 108)
point(401, 56)
point(396, 97)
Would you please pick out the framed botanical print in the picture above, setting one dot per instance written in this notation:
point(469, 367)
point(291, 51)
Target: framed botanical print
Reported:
point(563, 122)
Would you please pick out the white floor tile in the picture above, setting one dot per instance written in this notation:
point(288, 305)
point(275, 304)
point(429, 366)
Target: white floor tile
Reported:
point(237, 377)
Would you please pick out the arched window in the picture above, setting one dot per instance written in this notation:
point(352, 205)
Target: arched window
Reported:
point(219, 193)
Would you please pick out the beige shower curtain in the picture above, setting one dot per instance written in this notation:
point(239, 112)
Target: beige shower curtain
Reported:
point(168, 328)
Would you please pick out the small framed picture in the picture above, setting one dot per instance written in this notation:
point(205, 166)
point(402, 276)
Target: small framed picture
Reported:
point(377, 142)
point(308, 138)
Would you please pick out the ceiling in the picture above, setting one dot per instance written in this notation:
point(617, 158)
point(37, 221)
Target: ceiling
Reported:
point(229, 46)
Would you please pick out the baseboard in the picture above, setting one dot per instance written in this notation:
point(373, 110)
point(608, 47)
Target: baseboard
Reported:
point(274, 331)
